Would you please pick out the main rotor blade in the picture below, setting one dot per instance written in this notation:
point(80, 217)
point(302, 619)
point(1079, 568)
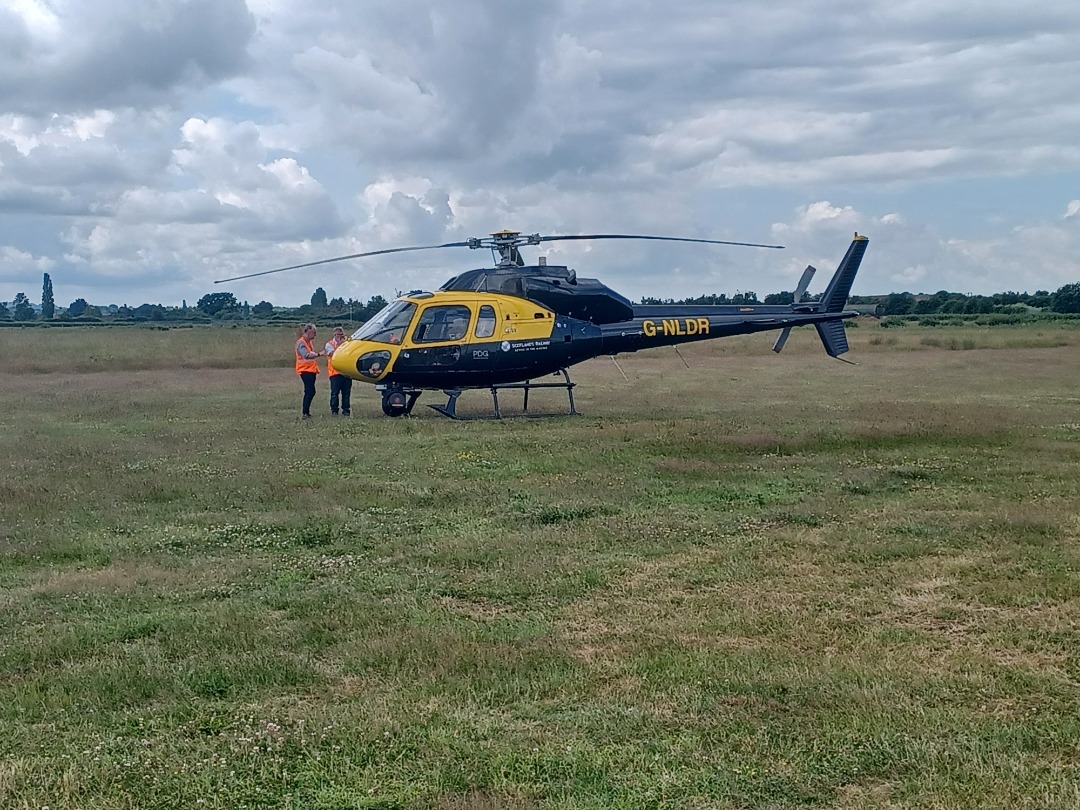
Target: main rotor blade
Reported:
point(655, 238)
point(343, 258)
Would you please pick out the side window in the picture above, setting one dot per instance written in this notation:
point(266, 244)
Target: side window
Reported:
point(485, 324)
point(442, 323)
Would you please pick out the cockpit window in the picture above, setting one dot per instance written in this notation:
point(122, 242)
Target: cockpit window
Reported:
point(442, 323)
point(485, 322)
point(389, 324)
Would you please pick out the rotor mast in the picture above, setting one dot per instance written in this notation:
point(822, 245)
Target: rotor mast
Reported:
point(504, 247)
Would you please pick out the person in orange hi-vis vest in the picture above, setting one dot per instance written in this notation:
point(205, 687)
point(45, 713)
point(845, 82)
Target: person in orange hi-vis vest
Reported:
point(306, 366)
point(340, 385)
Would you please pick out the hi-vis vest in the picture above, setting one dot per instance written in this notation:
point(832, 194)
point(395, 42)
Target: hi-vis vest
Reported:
point(303, 365)
point(330, 348)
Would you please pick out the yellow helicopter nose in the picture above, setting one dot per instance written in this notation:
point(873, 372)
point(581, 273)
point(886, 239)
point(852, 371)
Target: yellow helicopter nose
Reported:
point(361, 360)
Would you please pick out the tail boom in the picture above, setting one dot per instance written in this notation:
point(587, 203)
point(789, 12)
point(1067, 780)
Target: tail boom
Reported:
point(671, 324)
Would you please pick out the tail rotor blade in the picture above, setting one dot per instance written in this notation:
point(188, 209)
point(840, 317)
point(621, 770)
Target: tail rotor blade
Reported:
point(797, 297)
point(803, 284)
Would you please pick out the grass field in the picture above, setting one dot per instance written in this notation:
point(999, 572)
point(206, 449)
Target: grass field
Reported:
point(763, 581)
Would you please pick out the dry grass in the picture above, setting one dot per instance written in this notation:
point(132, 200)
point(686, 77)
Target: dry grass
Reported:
point(758, 582)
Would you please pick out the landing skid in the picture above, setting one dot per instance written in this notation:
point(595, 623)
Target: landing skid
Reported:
point(450, 408)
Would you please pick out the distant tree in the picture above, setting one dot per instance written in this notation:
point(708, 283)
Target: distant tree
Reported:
point(1066, 299)
point(783, 297)
point(213, 303)
point(953, 305)
point(926, 306)
point(1041, 299)
point(262, 309)
point(77, 307)
point(23, 309)
point(898, 304)
point(5, 314)
point(337, 303)
point(150, 312)
point(374, 304)
point(318, 298)
point(1004, 299)
point(48, 303)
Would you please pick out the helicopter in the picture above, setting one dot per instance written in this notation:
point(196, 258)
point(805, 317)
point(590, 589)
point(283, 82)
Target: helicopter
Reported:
point(507, 326)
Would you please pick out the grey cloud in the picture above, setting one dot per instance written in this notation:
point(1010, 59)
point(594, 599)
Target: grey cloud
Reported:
point(42, 201)
point(79, 168)
point(112, 55)
point(406, 122)
point(423, 83)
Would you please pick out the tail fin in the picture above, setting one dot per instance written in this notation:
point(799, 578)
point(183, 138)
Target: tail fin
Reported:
point(833, 300)
point(835, 296)
point(832, 333)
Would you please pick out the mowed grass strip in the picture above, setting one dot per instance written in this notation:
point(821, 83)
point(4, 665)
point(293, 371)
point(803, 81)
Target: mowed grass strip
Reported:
point(758, 582)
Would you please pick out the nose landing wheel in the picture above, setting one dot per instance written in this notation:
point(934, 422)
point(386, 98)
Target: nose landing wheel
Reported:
point(398, 401)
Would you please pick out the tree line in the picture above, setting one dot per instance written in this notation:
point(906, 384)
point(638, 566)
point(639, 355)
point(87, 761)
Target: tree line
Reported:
point(224, 306)
point(1065, 300)
point(218, 306)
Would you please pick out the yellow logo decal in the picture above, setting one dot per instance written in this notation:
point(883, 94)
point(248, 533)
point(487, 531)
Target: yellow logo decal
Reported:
point(676, 326)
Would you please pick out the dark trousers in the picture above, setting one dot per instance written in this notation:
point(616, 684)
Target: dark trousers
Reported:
point(340, 385)
point(308, 378)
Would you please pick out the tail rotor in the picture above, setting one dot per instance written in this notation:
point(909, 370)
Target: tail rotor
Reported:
point(800, 291)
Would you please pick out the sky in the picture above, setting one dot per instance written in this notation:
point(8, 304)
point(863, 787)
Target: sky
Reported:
point(148, 149)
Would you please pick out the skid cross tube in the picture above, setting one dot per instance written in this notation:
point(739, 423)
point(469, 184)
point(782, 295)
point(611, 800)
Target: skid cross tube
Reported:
point(452, 394)
point(528, 385)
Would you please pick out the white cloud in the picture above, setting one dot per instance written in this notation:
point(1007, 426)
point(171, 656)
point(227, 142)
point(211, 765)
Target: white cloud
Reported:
point(40, 22)
point(19, 132)
point(18, 265)
point(149, 148)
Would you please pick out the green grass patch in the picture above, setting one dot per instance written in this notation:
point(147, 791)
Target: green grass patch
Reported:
point(775, 582)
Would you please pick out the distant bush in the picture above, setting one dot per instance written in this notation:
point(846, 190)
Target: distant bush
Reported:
point(942, 320)
point(952, 343)
point(882, 340)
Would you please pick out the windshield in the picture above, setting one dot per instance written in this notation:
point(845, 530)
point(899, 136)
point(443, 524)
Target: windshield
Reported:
point(389, 325)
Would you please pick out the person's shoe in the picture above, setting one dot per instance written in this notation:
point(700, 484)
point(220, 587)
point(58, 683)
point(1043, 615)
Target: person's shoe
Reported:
point(305, 416)
point(346, 413)
point(333, 413)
